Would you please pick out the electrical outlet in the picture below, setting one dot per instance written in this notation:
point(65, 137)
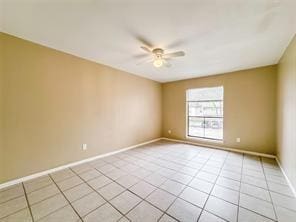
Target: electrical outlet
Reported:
point(238, 140)
point(169, 131)
point(84, 146)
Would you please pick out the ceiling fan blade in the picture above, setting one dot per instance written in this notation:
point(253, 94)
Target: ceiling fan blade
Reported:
point(145, 48)
point(140, 56)
point(145, 61)
point(174, 54)
point(166, 63)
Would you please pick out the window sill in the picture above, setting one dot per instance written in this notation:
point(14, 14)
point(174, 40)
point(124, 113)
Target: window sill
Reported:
point(205, 140)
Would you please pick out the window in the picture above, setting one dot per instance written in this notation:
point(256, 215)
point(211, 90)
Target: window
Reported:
point(205, 113)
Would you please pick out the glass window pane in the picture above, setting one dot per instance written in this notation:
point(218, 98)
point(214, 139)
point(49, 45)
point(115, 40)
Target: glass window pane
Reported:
point(195, 109)
point(214, 128)
point(196, 126)
point(201, 94)
point(212, 108)
point(205, 112)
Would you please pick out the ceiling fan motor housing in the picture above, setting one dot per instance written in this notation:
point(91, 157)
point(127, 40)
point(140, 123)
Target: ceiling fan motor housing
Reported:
point(157, 51)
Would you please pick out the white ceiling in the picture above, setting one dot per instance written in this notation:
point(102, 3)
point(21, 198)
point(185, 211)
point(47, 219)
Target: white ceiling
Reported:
point(217, 35)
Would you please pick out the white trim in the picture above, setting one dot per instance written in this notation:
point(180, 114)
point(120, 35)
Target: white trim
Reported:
point(35, 175)
point(205, 140)
point(221, 148)
point(287, 178)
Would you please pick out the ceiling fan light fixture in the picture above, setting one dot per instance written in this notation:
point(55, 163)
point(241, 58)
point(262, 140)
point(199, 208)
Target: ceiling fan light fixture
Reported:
point(158, 62)
point(159, 58)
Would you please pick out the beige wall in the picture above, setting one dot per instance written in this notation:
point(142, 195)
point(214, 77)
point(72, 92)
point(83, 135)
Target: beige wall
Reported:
point(287, 111)
point(249, 108)
point(54, 102)
point(1, 118)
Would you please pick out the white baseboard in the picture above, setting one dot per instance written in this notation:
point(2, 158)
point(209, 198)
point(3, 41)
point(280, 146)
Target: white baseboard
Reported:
point(35, 175)
point(287, 178)
point(221, 148)
point(26, 178)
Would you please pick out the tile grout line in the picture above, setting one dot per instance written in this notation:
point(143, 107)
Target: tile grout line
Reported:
point(203, 208)
point(256, 199)
point(51, 179)
point(245, 182)
point(207, 172)
point(257, 178)
point(65, 166)
point(149, 183)
point(175, 171)
point(142, 179)
point(244, 194)
point(64, 197)
point(273, 205)
point(249, 196)
point(106, 201)
point(128, 189)
point(83, 182)
point(244, 155)
point(240, 186)
point(187, 185)
point(219, 185)
point(29, 206)
point(8, 215)
point(11, 199)
point(56, 185)
point(177, 196)
point(40, 188)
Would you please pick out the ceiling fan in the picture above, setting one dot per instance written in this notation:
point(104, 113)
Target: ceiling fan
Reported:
point(159, 58)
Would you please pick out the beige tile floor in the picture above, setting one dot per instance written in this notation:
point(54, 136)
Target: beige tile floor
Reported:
point(163, 182)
